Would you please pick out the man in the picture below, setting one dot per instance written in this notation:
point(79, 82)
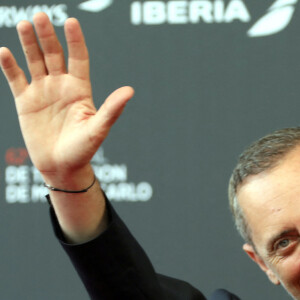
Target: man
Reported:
point(264, 193)
point(57, 115)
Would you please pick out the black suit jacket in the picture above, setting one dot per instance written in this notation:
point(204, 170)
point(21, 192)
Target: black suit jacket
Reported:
point(115, 267)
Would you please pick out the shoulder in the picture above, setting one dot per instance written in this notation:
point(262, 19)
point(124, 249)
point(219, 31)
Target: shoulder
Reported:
point(222, 294)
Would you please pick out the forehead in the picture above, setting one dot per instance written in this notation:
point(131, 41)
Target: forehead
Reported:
point(271, 199)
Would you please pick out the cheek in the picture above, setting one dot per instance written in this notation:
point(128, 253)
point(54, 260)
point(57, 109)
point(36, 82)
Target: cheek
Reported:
point(288, 272)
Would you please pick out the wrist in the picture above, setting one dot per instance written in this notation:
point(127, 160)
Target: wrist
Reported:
point(73, 180)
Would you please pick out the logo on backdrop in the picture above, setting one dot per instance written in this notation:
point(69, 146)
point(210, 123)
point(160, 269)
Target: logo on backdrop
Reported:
point(10, 16)
point(275, 20)
point(175, 12)
point(188, 12)
point(24, 183)
point(95, 5)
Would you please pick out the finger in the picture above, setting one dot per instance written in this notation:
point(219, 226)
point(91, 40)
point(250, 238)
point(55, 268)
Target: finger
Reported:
point(109, 112)
point(13, 73)
point(31, 49)
point(52, 49)
point(78, 61)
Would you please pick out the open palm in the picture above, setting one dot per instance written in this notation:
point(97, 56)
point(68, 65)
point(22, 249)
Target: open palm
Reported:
point(58, 119)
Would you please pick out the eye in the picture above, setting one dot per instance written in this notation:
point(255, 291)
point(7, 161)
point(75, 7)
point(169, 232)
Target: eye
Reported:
point(283, 243)
point(286, 245)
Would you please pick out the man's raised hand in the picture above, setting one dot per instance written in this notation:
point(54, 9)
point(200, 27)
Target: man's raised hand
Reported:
point(61, 127)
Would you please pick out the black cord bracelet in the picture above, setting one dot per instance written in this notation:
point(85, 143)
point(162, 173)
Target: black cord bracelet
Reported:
point(68, 191)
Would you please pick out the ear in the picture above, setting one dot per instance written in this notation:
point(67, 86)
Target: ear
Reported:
point(256, 258)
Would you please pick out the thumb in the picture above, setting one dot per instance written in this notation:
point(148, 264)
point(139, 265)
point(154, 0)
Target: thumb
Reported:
point(110, 111)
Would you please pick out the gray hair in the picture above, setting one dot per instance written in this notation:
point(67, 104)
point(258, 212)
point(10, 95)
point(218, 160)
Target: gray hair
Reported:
point(262, 155)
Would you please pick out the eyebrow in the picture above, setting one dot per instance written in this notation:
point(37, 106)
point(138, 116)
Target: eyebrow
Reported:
point(274, 238)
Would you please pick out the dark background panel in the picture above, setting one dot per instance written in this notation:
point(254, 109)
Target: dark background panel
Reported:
point(203, 93)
